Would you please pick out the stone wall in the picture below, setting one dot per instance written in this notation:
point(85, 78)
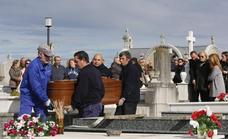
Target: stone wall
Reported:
point(4, 72)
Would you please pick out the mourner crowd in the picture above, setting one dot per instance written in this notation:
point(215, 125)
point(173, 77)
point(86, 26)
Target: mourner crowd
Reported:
point(208, 77)
point(31, 79)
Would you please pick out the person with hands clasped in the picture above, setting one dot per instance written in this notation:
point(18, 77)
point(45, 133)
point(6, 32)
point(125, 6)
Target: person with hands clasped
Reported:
point(131, 84)
point(34, 85)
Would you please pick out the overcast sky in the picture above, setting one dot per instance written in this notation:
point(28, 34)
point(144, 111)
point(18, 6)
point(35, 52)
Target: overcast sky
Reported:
point(98, 25)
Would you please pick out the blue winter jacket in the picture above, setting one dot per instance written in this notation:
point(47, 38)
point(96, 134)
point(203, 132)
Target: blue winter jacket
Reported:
point(34, 84)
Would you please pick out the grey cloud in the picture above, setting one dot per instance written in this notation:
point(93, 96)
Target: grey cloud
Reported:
point(101, 23)
point(6, 42)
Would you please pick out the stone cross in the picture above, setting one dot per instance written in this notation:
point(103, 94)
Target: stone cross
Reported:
point(191, 41)
point(162, 38)
point(212, 40)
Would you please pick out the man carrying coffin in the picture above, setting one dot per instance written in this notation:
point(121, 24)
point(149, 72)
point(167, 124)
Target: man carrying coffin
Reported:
point(130, 86)
point(89, 88)
point(34, 84)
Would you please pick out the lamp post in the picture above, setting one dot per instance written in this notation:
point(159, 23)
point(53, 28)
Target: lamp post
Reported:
point(48, 24)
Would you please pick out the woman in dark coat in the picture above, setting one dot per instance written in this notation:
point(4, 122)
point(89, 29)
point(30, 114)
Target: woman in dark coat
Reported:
point(179, 68)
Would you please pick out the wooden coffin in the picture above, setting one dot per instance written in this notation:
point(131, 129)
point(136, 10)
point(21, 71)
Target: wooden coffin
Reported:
point(64, 89)
point(61, 90)
point(112, 91)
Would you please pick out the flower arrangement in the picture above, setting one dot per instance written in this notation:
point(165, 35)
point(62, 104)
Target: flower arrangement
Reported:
point(222, 97)
point(204, 122)
point(28, 126)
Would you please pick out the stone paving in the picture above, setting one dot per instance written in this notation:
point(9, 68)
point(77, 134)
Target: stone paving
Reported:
point(90, 135)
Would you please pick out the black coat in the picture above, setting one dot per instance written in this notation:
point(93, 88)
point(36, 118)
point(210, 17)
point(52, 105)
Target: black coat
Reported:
point(89, 87)
point(177, 76)
point(104, 70)
point(131, 83)
point(225, 76)
point(202, 72)
point(116, 70)
point(192, 69)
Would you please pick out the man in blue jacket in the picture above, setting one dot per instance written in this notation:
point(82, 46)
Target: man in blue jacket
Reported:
point(34, 84)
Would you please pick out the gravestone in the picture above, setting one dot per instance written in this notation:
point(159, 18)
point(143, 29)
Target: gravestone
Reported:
point(162, 92)
point(4, 72)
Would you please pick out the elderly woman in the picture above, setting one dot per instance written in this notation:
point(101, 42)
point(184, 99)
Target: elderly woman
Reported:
point(201, 82)
point(15, 75)
point(216, 79)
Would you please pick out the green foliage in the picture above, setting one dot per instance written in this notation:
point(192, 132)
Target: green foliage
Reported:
point(15, 93)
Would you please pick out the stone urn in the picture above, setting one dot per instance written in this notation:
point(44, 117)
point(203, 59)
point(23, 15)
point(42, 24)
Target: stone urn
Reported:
point(172, 74)
point(183, 76)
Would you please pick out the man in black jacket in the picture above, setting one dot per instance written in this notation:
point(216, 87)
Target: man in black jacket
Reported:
point(89, 88)
point(193, 96)
point(98, 63)
point(130, 86)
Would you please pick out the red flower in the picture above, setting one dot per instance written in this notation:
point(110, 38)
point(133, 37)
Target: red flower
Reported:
point(190, 132)
point(201, 113)
point(221, 96)
point(40, 129)
point(12, 132)
point(53, 132)
point(6, 126)
point(210, 133)
point(218, 124)
point(11, 122)
point(23, 132)
point(25, 117)
point(55, 128)
point(194, 115)
point(31, 124)
point(214, 118)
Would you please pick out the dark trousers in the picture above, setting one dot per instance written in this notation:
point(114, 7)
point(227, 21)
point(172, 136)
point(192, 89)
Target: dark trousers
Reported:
point(204, 95)
point(193, 95)
point(212, 98)
point(126, 108)
point(93, 110)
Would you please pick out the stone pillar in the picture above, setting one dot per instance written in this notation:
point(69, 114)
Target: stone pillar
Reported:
point(160, 94)
point(162, 63)
point(4, 72)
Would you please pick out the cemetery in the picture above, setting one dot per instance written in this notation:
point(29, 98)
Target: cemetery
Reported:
point(163, 109)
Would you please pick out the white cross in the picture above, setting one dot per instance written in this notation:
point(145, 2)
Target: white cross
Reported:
point(190, 40)
point(190, 37)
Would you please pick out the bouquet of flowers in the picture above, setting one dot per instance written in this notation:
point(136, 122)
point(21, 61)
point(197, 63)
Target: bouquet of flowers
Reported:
point(222, 97)
point(204, 123)
point(28, 126)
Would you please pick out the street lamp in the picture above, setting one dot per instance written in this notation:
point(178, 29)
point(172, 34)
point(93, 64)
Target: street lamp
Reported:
point(48, 24)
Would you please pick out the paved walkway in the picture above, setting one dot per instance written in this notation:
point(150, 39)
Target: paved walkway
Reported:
point(89, 135)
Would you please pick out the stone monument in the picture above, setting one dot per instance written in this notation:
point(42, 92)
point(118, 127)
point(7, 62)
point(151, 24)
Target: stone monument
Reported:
point(161, 93)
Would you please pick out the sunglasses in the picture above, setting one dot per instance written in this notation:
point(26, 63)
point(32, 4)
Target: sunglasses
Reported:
point(46, 55)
